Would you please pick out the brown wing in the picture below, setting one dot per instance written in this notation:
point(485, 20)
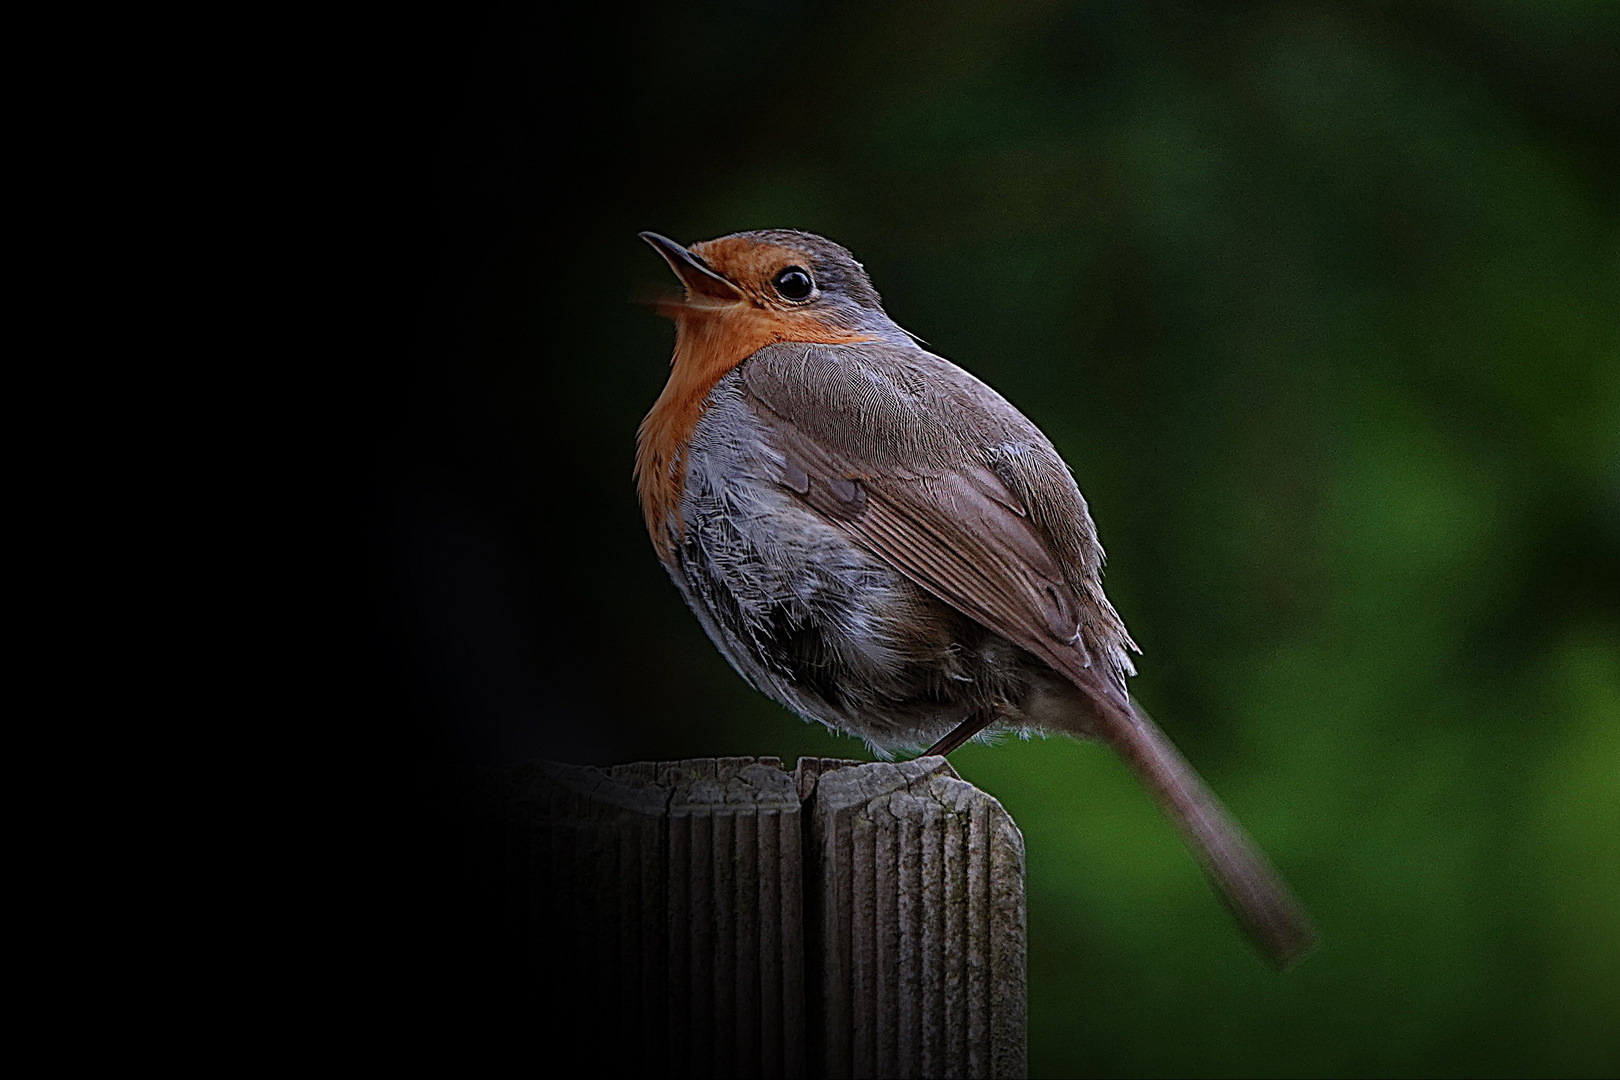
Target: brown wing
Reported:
point(908, 454)
point(954, 533)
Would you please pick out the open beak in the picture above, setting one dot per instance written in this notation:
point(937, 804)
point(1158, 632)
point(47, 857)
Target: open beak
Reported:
point(693, 271)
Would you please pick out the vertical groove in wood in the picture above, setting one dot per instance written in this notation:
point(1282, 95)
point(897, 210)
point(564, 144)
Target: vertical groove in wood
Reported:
point(910, 943)
point(934, 945)
point(914, 938)
point(768, 838)
point(792, 985)
point(605, 883)
point(723, 933)
point(678, 1026)
point(656, 887)
point(749, 929)
point(978, 957)
point(863, 931)
point(886, 940)
point(700, 991)
point(626, 921)
point(956, 979)
point(1009, 948)
point(841, 956)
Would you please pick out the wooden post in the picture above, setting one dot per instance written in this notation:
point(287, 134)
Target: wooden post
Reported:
point(723, 917)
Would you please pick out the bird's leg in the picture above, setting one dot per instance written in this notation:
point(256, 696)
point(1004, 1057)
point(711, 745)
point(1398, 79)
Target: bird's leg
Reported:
point(961, 733)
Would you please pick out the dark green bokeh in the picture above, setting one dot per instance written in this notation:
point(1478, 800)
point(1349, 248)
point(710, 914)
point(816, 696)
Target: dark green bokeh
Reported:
point(1320, 304)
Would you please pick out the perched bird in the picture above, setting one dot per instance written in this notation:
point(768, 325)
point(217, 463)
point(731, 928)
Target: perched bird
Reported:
point(882, 543)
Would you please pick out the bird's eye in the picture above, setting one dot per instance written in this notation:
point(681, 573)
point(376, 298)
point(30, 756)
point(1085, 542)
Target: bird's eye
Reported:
point(793, 283)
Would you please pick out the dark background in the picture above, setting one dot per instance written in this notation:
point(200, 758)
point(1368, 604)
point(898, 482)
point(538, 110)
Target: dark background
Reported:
point(1318, 300)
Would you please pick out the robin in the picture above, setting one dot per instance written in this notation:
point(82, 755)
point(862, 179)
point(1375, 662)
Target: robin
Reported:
point(883, 544)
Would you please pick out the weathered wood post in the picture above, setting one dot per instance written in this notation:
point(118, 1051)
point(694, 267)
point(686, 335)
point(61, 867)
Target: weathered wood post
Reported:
point(723, 917)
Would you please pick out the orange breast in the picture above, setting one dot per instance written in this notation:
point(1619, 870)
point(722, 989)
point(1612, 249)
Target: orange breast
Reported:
point(709, 342)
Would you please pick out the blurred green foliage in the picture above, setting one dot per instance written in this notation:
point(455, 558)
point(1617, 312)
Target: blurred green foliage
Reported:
point(1322, 304)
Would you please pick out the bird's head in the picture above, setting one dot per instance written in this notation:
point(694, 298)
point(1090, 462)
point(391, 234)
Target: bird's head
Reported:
point(779, 284)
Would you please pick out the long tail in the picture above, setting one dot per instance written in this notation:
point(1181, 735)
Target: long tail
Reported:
point(1254, 892)
point(1251, 887)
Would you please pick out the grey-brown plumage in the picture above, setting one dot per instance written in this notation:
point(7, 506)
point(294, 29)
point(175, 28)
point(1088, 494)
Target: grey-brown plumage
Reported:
point(884, 544)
